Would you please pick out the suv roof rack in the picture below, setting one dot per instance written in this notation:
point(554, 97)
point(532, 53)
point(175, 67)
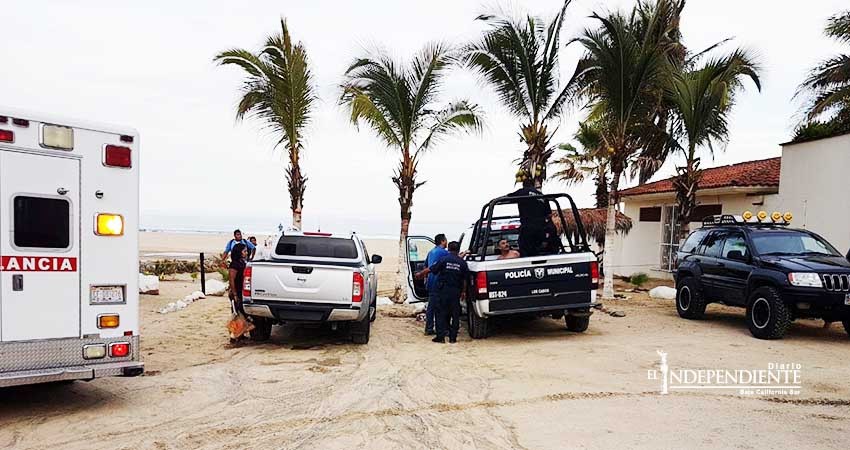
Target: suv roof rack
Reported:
point(728, 219)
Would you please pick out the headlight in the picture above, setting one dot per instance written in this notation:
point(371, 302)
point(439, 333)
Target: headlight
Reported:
point(805, 279)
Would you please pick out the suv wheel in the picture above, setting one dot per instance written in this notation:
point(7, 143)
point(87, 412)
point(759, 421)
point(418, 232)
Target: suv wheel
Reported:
point(262, 329)
point(479, 327)
point(578, 324)
point(690, 304)
point(767, 315)
point(360, 330)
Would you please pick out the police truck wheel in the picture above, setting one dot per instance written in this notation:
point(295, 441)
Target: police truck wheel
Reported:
point(846, 323)
point(360, 330)
point(767, 315)
point(479, 327)
point(690, 304)
point(262, 329)
point(577, 324)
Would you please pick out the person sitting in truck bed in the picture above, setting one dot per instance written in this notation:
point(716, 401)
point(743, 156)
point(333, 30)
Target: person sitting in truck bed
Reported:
point(505, 250)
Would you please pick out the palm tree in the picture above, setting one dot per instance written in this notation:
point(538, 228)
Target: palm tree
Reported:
point(519, 60)
point(626, 64)
point(401, 105)
point(278, 90)
point(702, 100)
point(827, 87)
point(591, 161)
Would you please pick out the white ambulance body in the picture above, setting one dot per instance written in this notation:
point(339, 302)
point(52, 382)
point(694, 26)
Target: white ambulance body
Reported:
point(69, 209)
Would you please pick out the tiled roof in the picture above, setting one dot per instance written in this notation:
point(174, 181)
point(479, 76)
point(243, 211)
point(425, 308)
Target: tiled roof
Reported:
point(764, 172)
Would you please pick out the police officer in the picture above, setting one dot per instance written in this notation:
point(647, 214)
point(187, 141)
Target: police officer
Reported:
point(452, 273)
point(436, 254)
point(534, 216)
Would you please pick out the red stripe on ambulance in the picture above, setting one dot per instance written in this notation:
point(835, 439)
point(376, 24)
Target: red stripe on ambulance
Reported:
point(37, 264)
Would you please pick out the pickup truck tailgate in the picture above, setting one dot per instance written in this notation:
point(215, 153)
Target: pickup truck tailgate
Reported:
point(292, 282)
point(539, 282)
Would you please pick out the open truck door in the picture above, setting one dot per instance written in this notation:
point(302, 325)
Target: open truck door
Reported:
point(416, 256)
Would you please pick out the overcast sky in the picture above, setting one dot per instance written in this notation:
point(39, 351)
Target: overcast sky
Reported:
point(149, 65)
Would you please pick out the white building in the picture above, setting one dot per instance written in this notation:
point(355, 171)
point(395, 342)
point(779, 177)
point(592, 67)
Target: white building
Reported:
point(811, 180)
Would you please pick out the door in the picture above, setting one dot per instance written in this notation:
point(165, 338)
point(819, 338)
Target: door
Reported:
point(39, 246)
point(417, 256)
point(711, 264)
point(735, 269)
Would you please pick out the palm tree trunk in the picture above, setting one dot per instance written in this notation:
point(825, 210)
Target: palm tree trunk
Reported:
point(406, 183)
point(610, 235)
point(297, 185)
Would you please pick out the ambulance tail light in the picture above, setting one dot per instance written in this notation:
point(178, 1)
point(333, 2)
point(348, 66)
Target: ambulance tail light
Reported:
point(108, 321)
point(7, 136)
point(117, 156)
point(107, 224)
point(119, 349)
point(357, 288)
point(481, 284)
point(594, 274)
point(246, 282)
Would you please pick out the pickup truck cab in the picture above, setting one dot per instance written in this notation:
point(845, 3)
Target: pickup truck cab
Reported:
point(561, 284)
point(777, 273)
point(313, 278)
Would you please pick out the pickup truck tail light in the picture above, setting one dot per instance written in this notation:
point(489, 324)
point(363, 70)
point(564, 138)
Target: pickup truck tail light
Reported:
point(481, 284)
point(357, 288)
point(246, 282)
point(594, 274)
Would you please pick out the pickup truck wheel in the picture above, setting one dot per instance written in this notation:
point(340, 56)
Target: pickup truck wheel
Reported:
point(262, 329)
point(577, 323)
point(690, 303)
point(767, 315)
point(373, 312)
point(360, 330)
point(479, 327)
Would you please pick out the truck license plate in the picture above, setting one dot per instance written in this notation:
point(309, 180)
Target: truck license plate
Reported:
point(107, 294)
point(847, 299)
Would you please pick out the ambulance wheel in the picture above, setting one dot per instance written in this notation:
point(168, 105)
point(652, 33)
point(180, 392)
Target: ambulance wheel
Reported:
point(360, 331)
point(479, 327)
point(577, 324)
point(262, 329)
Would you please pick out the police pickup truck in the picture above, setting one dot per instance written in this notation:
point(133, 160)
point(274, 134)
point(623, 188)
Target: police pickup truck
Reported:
point(777, 273)
point(560, 284)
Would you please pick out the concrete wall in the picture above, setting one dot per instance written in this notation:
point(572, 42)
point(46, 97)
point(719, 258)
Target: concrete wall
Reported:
point(815, 186)
point(640, 250)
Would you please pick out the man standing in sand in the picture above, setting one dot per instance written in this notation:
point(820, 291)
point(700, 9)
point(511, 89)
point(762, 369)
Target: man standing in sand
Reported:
point(451, 271)
point(434, 256)
point(237, 239)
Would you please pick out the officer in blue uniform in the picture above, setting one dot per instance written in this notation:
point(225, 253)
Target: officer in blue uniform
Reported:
point(451, 272)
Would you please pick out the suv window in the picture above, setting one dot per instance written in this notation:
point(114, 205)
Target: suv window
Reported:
point(42, 222)
point(316, 247)
point(734, 242)
point(693, 241)
point(713, 243)
point(791, 242)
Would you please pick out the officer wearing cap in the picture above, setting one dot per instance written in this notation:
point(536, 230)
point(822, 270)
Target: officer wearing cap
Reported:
point(451, 271)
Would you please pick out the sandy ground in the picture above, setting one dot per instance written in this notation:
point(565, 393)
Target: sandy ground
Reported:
point(532, 385)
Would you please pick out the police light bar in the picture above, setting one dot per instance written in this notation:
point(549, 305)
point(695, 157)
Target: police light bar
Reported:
point(57, 136)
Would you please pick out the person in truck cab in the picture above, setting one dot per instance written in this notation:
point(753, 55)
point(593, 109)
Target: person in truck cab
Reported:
point(535, 218)
point(451, 271)
point(433, 257)
point(505, 250)
point(237, 239)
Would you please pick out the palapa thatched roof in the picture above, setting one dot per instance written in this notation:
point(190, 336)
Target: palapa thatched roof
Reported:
point(594, 220)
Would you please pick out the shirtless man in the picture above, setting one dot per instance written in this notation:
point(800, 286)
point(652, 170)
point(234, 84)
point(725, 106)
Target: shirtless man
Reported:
point(505, 250)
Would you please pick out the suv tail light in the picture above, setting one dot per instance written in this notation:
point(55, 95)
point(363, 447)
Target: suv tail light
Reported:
point(594, 274)
point(117, 156)
point(481, 284)
point(357, 288)
point(246, 282)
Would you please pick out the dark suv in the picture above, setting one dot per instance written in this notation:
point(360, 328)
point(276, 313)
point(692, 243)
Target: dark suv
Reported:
point(779, 274)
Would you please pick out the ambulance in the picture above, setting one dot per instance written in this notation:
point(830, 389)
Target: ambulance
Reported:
point(69, 210)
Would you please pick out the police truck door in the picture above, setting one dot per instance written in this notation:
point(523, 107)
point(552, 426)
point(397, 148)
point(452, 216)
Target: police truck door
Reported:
point(39, 246)
point(417, 256)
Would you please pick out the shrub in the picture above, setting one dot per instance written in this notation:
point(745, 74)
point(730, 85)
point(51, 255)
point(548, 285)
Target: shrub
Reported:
point(639, 279)
point(225, 274)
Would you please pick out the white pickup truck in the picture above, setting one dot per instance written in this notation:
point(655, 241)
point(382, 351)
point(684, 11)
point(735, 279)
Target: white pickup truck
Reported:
point(559, 284)
point(312, 278)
